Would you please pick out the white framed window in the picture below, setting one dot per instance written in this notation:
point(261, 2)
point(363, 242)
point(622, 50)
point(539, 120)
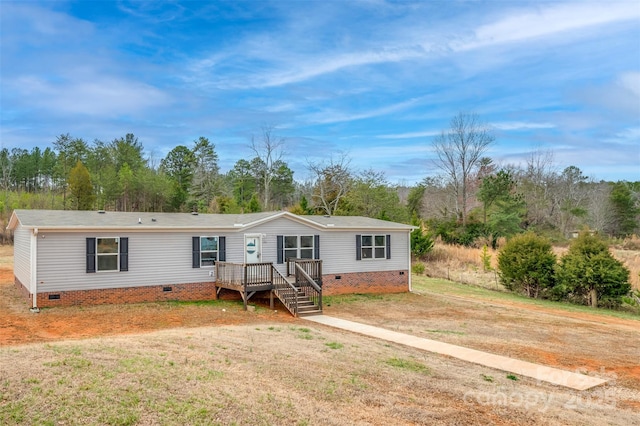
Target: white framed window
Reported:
point(107, 254)
point(209, 250)
point(298, 247)
point(374, 247)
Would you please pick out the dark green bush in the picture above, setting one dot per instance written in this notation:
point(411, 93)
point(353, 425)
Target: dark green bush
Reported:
point(421, 240)
point(526, 264)
point(590, 275)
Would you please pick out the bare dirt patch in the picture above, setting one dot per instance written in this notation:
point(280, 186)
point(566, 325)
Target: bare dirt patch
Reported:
point(213, 363)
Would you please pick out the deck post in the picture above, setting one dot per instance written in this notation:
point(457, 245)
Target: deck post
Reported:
point(244, 298)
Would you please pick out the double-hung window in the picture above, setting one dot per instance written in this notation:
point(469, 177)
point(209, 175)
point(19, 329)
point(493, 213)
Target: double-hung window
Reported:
point(107, 254)
point(208, 251)
point(298, 247)
point(372, 247)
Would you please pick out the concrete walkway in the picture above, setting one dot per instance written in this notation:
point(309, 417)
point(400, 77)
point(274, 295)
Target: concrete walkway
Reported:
point(539, 372)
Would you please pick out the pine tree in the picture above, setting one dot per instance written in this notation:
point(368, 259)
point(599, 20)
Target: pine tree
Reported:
point(80, 187)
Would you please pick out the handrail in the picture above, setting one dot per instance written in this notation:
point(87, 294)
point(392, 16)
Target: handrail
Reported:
point(280, 285)
point(308, 278)
point(314, 290)
point(247, 277)
point(313, 267)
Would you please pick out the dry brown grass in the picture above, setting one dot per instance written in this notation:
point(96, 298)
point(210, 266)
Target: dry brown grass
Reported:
point(630, 259)
point(6, 255)
point(464, 264)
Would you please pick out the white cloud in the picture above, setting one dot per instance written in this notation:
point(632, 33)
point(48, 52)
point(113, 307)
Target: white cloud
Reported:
point(631, 82)
point(630, 135)
point(521, 125)
point(551, 20)
point(100, 96)
point(288, 68)
point(391, 151)
point(411, 135)
point(332, 64)
point(327, 117)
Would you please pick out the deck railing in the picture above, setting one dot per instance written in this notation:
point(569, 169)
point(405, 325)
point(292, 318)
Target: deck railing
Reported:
point(313, 267)
point(249, 274)
point(309, 286)
point(248, 278)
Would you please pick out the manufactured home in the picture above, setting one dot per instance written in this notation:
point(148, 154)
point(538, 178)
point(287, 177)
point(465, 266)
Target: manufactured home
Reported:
point(92, 257)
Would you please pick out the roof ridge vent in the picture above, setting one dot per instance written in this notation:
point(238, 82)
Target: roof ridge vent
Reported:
point(101, 212)
point(194, 213)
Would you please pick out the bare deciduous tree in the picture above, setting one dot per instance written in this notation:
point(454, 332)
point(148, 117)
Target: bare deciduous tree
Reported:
point(458, 151)
point(270, 150)
point(332, 181)
point(536, 184)
point(601, 217)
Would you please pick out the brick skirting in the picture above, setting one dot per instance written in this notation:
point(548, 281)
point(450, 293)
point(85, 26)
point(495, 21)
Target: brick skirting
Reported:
point(359, 282)
point(156, 293)
point(366, 282)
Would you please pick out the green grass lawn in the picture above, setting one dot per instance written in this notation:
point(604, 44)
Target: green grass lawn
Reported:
point(445, 287)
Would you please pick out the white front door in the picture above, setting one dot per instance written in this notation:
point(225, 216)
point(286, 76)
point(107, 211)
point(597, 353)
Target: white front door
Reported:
point(252, 248)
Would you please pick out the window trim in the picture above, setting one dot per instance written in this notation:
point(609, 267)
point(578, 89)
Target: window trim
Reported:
point(98, 254)
point(216, 251)
point(298, 247)
point(373, 247)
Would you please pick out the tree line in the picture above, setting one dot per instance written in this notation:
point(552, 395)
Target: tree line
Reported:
point(467, 199)
point(117, 175)
point(473, 200)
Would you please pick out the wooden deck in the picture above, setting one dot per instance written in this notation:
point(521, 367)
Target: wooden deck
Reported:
point(300, 291)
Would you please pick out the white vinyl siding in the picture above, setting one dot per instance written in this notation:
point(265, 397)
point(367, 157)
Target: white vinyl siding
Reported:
point(165, 258)
point(339, 253)
point(337, 247)
point(22, 256)
point(154, 259)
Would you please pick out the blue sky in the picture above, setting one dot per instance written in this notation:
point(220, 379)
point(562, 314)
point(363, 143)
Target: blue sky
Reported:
point(373, 79)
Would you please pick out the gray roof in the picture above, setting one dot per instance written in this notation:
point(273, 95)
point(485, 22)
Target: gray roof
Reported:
point(73, 219)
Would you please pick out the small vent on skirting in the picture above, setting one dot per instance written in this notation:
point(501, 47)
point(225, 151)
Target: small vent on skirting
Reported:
point(167, 289)
point(54, 297)
point(338, 277)
point(401, 272)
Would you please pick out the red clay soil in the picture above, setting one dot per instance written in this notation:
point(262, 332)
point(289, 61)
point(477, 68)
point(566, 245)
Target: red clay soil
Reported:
point(18, 325)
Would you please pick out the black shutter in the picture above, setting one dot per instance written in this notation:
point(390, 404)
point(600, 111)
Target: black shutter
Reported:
point(222, 249)
point(195, 256)
point(316, 246)
point(124, 254)
point(388, 246)
point(280, 246)
point(91, 255)
point(358, 247)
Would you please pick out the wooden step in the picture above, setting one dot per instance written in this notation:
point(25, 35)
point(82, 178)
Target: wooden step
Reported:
point(308, 313)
